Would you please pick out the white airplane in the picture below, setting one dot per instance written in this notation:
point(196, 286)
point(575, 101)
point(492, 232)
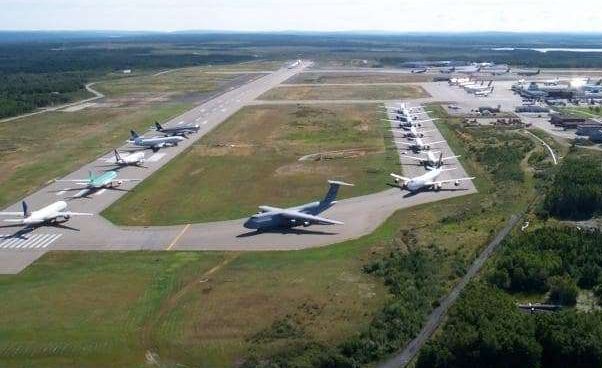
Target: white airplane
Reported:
point(431, 160)
point(418, 145)
point(408, 124)
point(484, 93)
point(428, 180)
point(154, 143)
point(135, 158)
point(412, 132)
point(52, 214)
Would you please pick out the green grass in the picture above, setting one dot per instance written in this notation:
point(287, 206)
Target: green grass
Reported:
point(39, 148)
point(366, 92)
point(367, 77)
point(207, 309)
point(179, 81)
point(252, 159)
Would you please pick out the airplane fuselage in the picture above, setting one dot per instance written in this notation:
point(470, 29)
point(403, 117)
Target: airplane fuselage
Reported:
point(271, 220)
point(46, 214)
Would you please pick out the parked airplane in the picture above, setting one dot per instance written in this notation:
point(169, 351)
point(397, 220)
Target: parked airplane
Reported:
point(484, 93)
point(408, 124)
point(106, 180)
point(418, 145)
point(428, 180)
point(431, 160)
point(412, 132)
point(528, 73)
point(135, 158)
point(154, 143)
point(419, 71)
point(182, 130)
point(52, 214)
point(305, 215)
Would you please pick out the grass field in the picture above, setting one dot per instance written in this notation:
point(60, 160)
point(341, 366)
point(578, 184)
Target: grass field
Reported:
point(347, 78)
point(214, 309)
point(364, 92)
point(253, 159)
point(42, 147)
point(177, 81)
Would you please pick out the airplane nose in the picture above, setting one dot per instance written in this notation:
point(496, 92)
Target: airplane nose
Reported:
point(249, 224)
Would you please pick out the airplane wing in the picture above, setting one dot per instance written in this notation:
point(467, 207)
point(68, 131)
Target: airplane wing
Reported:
point(415, 158)
point(11, 213)
point(449, 158)
point(119, 179)
point(406, 143)
point(78, 181)
point(304, 216)
point(69, 213)
point(403, 178)
point(427, 131)
point(270, 209)
point(448, 181)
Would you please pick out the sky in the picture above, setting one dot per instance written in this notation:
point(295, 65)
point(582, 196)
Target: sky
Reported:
point(303, 15)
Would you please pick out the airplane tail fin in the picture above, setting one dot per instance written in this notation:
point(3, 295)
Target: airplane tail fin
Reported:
point(331, 195)
point(25, 209)
point(440, 162)
point(134, 134)
point(158, 126)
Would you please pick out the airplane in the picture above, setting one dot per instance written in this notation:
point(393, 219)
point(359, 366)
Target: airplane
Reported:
point(528, 73)
point(431, 160)
point(484, 93)
point(406, 125)
point(418, 145)
point(412, 132)
point(428, 180)
point(52, 214)
point(135, 158)
point(453, 107)
point(178, 130)
point(304, 215)
point(154, 143)
point(103, 181)
point(419, 71)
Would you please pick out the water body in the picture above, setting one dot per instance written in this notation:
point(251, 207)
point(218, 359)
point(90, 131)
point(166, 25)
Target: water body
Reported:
point(544, 50)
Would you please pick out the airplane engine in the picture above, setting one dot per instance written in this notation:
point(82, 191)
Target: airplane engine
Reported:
point(306, 223)
point(438, 187)
point(427, 147)
point(117, 183)
point(421, 135)
point(457, 182)
point(66, 217)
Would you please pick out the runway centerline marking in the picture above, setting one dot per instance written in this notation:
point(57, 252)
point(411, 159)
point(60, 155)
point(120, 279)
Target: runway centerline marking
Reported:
point(175, 240)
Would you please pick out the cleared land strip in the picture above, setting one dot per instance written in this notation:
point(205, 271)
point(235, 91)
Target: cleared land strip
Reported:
point(97, 96)
point(436, 317)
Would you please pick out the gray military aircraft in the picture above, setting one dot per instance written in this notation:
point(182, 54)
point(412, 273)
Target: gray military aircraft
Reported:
point(182, 130)
point(304, 215)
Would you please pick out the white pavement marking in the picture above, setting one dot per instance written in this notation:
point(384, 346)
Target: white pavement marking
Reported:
point(101, 191)
point(156, 157)
point(60, 193)
point(39, 240)
point(81, 192)
point(31, 242)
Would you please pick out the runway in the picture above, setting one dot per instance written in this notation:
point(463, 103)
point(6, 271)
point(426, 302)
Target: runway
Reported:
point(361, 215)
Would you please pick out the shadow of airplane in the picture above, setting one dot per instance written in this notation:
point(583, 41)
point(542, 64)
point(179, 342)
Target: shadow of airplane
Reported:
point(29, 229)
point(284, 231)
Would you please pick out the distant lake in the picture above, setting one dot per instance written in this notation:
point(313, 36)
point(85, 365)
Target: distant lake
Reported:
point(544, 50)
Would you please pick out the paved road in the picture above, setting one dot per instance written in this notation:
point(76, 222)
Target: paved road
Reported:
point(436, 317)
point(545, 145)
point(361, 214)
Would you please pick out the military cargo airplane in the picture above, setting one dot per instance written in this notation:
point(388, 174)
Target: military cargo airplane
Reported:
point(52, 214)
point(154, 143)
point(183, 130)
point(304, 215)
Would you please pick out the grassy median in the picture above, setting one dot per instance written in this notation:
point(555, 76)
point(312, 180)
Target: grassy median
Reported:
point(276, 155)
